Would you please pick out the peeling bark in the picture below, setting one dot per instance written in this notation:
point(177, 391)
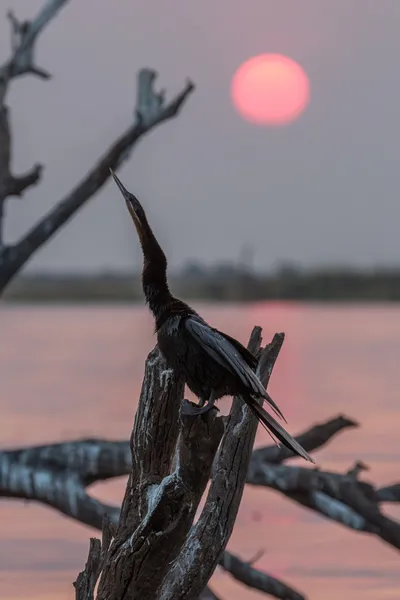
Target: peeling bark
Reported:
point(171, 465)
point(208, 538)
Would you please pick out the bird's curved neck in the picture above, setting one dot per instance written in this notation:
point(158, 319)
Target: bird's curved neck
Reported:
point(154, 275)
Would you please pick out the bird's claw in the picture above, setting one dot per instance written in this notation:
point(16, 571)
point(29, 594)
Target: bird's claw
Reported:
point(190, 409)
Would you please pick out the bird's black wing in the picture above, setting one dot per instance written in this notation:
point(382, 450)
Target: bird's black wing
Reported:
point(225, 354)
point(246, 354)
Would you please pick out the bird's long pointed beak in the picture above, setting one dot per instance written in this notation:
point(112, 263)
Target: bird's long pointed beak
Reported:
point(132, 203)
point(121, 186)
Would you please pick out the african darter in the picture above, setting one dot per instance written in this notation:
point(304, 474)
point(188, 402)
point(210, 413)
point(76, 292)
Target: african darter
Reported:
point(212, 363)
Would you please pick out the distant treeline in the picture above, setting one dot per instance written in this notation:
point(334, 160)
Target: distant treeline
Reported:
point(220, 283)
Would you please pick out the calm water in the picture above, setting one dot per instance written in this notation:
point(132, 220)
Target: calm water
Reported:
point(71, 372)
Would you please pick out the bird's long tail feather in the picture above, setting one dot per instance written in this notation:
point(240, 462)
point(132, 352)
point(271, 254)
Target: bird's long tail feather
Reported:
point(272, 426)
point(273, 405)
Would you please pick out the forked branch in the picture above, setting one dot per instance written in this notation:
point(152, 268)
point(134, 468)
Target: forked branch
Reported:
point(151, 109)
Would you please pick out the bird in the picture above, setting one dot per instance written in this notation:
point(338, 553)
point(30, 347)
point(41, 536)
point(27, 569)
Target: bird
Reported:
point(212, 363)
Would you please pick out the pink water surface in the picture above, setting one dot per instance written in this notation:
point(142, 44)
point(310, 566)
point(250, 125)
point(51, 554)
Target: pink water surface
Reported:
point(68, 372)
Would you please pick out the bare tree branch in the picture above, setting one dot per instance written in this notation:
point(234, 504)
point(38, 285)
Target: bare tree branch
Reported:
point(15, 186)
point(90, 459)
point(151, 110)
point(342, 498)
point(14, 257)
point(23, 37)
point(251, 577)
point(390, 493)
point(82, 462)
point(61, 489)
point(9, 184)
point(57, 474)
point(315, 437)
point(21, 61)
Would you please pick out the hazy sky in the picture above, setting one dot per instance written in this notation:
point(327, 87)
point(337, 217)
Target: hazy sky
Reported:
point(323, 190)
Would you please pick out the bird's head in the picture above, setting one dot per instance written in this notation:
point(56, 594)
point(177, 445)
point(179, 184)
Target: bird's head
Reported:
point(134, 207)
point(154, 275)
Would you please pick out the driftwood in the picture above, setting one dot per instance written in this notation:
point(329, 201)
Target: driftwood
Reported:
point(151, 110)
point(169, 461)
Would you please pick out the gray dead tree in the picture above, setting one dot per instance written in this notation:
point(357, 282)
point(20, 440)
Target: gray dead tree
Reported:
point(151, 110)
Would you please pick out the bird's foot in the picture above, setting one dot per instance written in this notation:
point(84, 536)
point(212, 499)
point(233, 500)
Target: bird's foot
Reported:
point(190, 409)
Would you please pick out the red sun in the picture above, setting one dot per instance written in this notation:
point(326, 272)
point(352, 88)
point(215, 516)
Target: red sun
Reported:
point(270, 89)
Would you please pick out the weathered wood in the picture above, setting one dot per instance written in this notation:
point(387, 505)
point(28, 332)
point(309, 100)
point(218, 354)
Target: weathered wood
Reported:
point(87, 579)
point(208, 538)
point(171, 465)
point(342, 498)
point(97, 459)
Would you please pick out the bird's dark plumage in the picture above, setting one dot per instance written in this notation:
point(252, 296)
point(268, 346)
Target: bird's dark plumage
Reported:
point(212, 363)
